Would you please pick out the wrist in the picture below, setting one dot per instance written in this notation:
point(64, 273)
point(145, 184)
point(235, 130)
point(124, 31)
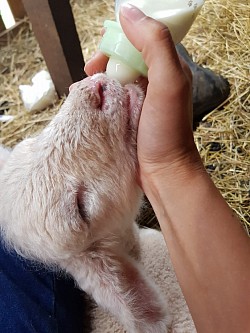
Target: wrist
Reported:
point(168, 185)
point(171, 173)
point(175, 197)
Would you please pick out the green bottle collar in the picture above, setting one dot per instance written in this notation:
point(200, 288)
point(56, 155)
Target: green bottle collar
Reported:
point(115, 44)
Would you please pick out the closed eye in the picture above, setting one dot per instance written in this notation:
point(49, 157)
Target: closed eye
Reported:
point(80, 204)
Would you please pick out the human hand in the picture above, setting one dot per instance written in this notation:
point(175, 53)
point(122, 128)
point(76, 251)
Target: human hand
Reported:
point(165, 138)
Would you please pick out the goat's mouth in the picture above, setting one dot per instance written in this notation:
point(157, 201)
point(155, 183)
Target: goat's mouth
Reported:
point(134, 106)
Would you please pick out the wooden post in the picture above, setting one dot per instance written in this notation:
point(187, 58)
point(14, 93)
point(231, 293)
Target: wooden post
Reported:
point(2, 26)
point(17, 8)
point(54, 27)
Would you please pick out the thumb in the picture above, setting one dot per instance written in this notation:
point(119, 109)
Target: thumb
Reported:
point(169, 86)
point(165, 125)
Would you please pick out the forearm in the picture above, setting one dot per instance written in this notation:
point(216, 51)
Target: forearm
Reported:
point(209, 249)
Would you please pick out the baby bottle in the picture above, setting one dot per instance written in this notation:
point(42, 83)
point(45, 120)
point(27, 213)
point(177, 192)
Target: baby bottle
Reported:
point(125, 61)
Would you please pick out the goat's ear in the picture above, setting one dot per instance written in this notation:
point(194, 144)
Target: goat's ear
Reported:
point(81, 203)
point(120, 286)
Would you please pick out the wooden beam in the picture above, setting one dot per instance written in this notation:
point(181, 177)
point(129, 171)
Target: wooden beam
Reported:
point(7, 34)
point(17, 8)
point(54, 27)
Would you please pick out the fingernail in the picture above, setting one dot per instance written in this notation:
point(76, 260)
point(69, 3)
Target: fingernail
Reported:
point(131, 12)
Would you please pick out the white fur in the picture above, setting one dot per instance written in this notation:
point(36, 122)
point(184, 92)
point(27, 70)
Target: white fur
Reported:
point(4, 155)
point(69, 198)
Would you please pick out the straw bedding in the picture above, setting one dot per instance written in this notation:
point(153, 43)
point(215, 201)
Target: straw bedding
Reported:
point(219, 39)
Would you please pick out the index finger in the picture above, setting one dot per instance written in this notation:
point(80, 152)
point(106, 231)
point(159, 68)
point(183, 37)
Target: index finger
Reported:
point(96, 64)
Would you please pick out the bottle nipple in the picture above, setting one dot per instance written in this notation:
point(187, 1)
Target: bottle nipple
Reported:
point(117, 69)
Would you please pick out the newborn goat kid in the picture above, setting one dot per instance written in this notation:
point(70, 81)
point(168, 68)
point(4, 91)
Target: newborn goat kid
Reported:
point(69, 198)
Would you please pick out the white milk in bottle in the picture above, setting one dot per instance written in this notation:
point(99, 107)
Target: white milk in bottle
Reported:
point(178, 15)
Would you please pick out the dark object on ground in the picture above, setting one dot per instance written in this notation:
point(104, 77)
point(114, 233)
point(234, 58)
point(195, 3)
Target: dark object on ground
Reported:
point(209, 89)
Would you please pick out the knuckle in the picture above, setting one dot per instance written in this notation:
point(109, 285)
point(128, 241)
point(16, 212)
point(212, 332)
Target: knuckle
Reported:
point(164, 34)
point(160, 32)
point(156, 36)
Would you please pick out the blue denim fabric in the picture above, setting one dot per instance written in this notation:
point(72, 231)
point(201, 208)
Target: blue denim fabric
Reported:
point(33, 299)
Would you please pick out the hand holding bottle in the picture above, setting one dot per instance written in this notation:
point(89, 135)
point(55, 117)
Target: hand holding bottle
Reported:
point(165, 138)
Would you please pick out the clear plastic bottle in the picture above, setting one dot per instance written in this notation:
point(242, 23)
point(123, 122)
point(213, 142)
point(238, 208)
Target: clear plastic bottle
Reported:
point(125, 62)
